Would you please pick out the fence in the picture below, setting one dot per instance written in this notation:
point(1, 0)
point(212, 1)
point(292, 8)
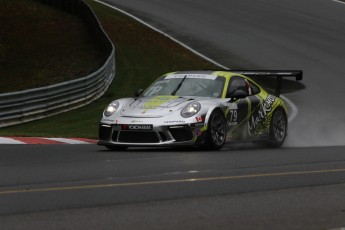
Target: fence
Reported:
point(33, 104)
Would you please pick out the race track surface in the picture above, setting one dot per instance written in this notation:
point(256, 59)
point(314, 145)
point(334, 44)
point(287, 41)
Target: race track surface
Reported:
point(87, 187)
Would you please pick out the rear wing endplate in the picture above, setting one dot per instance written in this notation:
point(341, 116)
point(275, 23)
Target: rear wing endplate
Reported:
point(279, 74)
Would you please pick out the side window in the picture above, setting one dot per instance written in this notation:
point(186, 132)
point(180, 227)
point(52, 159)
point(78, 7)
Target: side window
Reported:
point(254, 87)
point(237, 83)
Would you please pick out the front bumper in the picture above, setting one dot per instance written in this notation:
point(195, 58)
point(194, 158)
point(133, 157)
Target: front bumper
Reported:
point(174, 135)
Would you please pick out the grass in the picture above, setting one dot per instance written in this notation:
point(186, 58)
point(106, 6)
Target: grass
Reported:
point(41, 45)
point(142, 55)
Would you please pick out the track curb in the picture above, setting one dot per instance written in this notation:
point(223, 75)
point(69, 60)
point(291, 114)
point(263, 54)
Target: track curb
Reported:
point(45, 140)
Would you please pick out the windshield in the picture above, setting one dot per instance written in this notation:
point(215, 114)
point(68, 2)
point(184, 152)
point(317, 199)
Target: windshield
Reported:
point(187, 85)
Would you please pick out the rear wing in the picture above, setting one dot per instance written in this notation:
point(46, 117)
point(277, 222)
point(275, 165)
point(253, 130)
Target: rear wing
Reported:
point(279, 74)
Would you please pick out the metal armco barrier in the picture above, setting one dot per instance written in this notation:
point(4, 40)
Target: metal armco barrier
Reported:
point(33, 104)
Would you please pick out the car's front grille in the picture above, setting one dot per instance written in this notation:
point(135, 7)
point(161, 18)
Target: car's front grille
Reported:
point(114, 137)
point(181, 133)
point(138, 137)
point(178, 133)
point(104, 132)
point(162, 135)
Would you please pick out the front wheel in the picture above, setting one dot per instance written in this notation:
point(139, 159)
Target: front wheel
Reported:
point(216, 131)
point(278, 128)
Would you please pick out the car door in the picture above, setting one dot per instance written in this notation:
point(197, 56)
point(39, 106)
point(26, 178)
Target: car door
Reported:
point(242, 116)
point(256, 122)
point(237, 118)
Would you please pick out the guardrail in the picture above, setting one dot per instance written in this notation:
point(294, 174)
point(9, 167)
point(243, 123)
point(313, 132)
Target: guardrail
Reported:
point(33, 104)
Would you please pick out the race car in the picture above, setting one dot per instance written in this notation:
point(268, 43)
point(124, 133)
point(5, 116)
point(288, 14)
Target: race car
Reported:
point(198, 108)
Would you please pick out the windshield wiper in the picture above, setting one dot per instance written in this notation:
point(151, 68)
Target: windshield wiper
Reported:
point(178, 86)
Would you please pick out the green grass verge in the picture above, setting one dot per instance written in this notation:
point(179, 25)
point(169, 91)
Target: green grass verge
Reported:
point(41, 45)
point(142, 55)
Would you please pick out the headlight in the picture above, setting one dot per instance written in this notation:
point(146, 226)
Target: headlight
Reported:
point(111, 108)
point(191, 109)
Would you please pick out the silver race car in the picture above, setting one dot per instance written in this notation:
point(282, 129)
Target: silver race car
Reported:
point(199, 108)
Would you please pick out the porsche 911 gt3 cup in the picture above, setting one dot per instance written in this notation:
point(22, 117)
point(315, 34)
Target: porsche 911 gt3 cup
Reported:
point(198, 108)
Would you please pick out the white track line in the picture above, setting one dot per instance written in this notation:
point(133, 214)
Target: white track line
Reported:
point(161, 32)
point(338, 1)
point(294, 109)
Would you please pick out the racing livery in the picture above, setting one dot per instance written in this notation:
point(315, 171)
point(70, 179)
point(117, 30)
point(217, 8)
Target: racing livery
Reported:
point(198, 108)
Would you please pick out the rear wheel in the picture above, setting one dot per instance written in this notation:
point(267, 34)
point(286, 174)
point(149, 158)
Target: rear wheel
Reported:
point(278, 128)
point(216, 131)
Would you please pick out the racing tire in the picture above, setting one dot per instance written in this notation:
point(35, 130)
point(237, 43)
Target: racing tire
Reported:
point(278, 128)
point(216, 131)
point(116, 148)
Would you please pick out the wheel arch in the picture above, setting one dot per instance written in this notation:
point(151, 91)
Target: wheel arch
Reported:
point(271, 142)
point(210, 111)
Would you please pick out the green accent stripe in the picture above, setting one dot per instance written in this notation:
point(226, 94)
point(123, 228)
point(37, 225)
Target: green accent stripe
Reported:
point(158, 101)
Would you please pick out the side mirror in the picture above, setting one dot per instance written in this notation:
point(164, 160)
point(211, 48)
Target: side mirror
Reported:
point(238, 94)
point(139, 92)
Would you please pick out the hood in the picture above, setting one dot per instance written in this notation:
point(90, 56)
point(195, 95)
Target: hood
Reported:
point(157, 106)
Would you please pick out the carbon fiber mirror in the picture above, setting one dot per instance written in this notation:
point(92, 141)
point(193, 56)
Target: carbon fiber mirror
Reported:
point(237, 94)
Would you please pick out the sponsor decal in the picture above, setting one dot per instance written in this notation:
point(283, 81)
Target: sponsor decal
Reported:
point(197, 76)
point(199, 124)
point(230, 112)
point(107, 120)
point(232, 123)
point(258, 119)
point(136, 121)
point(171, 122)
point(199, 119)
point(198, 132)
point(154, 107)
point(232, 117)
point(137, 127)
point(163, 98)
